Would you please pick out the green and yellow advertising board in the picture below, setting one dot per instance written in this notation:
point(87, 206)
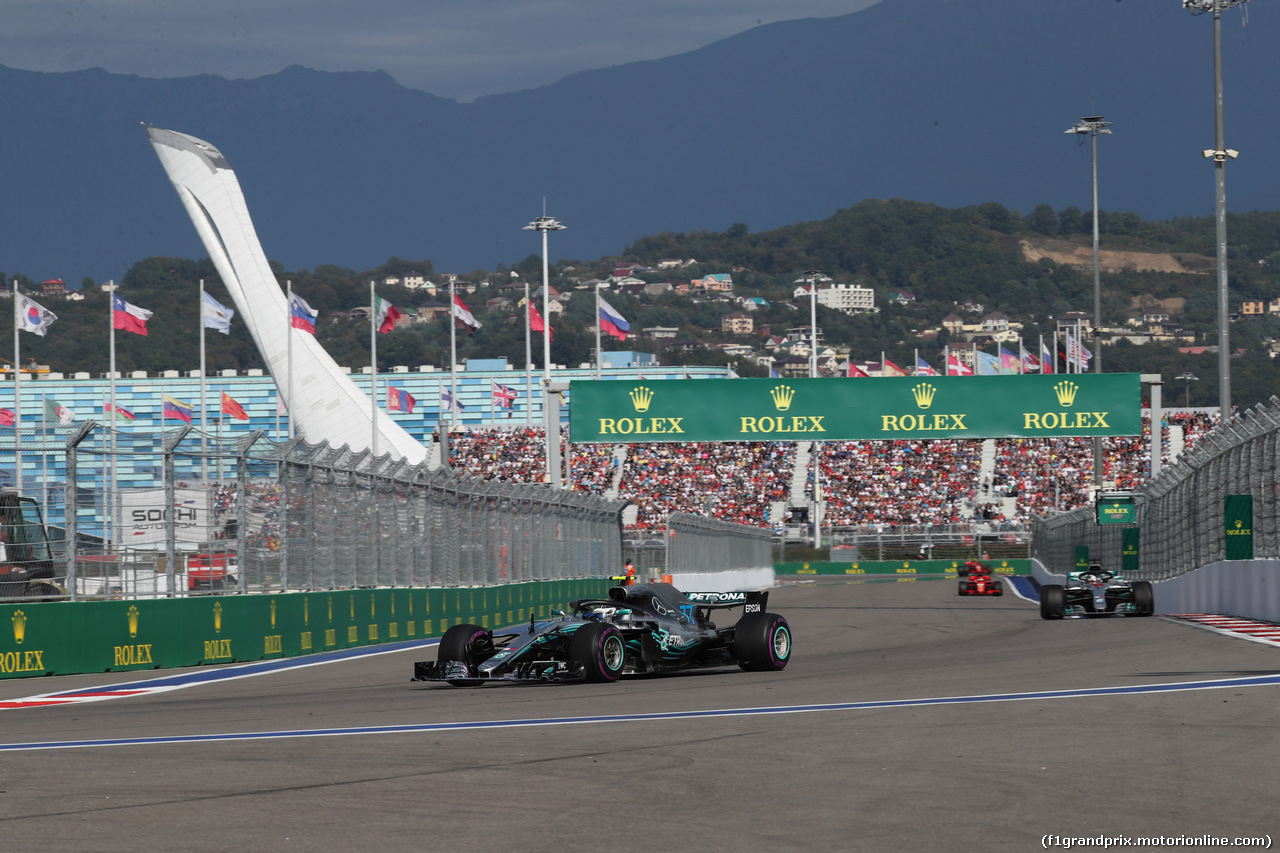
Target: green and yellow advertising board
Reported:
point(1085, 404)
point(1237, 513)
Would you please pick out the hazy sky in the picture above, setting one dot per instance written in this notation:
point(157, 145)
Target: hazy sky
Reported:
point(454, 48)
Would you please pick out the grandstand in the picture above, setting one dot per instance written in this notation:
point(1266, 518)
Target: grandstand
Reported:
point(893, 483)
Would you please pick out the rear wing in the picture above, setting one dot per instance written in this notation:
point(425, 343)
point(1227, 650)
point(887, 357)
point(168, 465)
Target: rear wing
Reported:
point(751, 601)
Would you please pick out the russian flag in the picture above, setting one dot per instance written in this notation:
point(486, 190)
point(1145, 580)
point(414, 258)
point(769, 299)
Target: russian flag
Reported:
point(301, 315)
point(129, 318)
point(611, 322)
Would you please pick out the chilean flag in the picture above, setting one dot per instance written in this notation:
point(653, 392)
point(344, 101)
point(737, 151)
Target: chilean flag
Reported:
point(128, 317)
point(611, 322)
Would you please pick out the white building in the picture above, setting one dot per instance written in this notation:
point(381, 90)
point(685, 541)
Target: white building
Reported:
point(849, 298)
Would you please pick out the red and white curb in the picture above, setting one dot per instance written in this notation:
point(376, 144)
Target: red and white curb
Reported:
point(1267, 633)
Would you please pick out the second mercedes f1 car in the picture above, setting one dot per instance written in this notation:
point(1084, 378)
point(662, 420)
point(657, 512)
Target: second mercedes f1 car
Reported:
point(1096, 592)
point(641, 628)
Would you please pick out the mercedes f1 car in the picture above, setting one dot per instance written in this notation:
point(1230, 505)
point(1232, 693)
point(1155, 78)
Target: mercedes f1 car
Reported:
point(1096, 592)
point(977, 580)
point(642, 628)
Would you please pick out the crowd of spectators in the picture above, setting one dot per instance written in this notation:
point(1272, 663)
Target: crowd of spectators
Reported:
point(732, 481)
point(898, 482)
point(863, 482)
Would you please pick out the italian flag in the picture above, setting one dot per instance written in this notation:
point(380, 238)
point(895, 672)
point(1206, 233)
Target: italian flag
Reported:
point(385, 314)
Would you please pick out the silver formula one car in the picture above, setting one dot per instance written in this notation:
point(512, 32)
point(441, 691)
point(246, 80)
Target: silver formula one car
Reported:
point(641, 628)
point(1096, 592)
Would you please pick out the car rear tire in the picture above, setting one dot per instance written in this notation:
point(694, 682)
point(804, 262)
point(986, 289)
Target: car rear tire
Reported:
point(998, 586)
point(762, 642)
point(963, 585)
point(600, 650)
point(470, 644)
point(1144, 598)
point(1053, 601)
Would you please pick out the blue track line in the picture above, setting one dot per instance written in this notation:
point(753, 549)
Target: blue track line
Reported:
point(203, 676)
point(477, 725)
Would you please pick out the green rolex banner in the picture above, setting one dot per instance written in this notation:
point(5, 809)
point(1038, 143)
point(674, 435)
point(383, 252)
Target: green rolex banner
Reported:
point(1238, 520)
point(890, 408)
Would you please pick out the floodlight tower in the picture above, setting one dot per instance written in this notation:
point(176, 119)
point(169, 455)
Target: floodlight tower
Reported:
point(1219, 153)
point(1091, 126)
point(551, 416)
point(812, 277)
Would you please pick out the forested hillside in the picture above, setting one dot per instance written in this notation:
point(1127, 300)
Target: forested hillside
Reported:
point(941, 256)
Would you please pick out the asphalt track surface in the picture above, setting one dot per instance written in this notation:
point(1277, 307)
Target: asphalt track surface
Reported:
point(837, 771)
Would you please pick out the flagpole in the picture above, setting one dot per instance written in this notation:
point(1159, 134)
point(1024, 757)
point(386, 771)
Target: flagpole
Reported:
point(453, 355)
point(17, 393)
point(109, 508)
point(288, 330)
point(883, 372)
point(528, 357)
point(373, 366)
point(204, 401)
point(599, 354)
point(916, 372)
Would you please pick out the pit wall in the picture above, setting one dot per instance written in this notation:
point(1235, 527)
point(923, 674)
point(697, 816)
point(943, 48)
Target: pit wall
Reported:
point(945, 568)
point(65, 637)
point(1248, 589)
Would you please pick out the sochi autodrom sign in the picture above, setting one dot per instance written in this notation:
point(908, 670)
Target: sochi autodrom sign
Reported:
point(891, 408)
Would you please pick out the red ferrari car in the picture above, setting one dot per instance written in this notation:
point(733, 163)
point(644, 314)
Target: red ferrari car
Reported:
point(978, 580)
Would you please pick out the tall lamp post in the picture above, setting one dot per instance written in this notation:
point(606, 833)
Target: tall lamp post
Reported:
point(1219, 153)
point(550, 414)
point(812, 277)
point(1188, 377)
point(1091, 126)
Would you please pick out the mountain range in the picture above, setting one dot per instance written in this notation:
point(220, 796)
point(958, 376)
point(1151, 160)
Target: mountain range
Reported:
point(953, 102)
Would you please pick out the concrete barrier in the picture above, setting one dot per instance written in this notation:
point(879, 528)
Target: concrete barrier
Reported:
point(1248, 589)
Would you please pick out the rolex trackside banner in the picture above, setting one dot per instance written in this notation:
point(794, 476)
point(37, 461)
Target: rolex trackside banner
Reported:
point(1077, 404)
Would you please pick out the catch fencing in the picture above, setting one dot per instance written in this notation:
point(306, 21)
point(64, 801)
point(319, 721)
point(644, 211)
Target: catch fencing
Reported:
point(1181, 526)
point(185, 512)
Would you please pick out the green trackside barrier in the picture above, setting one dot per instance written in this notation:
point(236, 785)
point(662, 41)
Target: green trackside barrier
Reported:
point(945, 568)
point(64, 637)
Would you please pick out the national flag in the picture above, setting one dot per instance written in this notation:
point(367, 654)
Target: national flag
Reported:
point(301, 315)
point(399, 400)
point(128, 317)
point(463, 317)
point(7, 417)
point(611, 322)
point(33, 317)
point(176, 409)
point(503, 396)
point(854, 370)
point(536, 324)
point(446, 401)
point(956, 367)
point(121, 413)
point(1009, 362)
point(988, 364)
point(214, 315)
point(232, 408)
point(1046, 360)
point(385, 315)
point(773, 373)
point(54, 412)
point(923, 368)
point(888, 368)
point(1030, 364)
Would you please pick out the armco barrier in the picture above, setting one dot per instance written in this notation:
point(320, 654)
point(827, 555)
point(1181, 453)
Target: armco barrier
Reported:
point(64, 637)
point(898, 567)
